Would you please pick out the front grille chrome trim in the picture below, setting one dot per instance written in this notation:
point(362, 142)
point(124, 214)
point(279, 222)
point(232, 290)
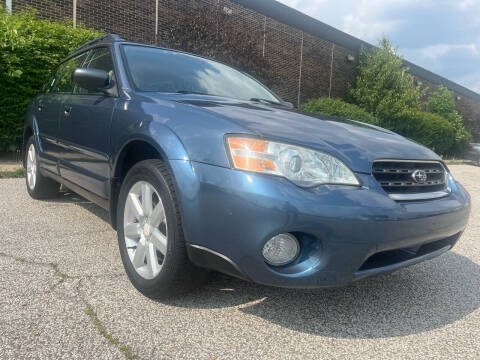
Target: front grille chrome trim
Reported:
point(394, 179)
point(421, 196)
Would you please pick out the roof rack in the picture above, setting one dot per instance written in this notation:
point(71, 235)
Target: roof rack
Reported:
point(104, 39)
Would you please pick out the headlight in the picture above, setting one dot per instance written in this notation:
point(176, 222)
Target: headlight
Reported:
point(302, 166)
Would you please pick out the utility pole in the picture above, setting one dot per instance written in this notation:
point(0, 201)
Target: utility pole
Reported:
point(300, 72)
point(74, 14)
point(331, 73)
point(156, 22)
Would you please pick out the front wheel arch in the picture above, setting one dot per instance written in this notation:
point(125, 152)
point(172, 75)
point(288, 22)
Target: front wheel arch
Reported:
point(161, 143)
point(131, 153)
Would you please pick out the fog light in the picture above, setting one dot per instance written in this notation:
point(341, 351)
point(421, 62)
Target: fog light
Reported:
point(281, 250)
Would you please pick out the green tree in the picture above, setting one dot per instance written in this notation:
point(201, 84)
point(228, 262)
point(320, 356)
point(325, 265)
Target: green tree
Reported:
point(386, 89)
point(30, 49)
point(383, 85)
point(441, 102)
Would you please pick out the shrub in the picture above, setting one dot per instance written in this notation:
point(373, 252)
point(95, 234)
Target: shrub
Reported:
point(441, 102)
point(428, 129)
point(338, 107)
point(30, 49)
point(384, 87)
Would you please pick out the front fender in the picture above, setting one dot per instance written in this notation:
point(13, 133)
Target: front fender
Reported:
point(159, 136)
point(152, 132)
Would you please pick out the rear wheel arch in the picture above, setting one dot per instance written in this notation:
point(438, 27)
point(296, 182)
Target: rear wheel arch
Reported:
point(38, 186)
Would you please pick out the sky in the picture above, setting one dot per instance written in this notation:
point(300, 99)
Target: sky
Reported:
point(442, 36)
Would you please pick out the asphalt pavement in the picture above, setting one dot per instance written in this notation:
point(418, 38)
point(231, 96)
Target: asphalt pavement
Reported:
point(64, 294)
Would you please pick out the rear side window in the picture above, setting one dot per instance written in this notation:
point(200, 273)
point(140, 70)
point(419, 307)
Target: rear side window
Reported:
point(63, 78)
point(101, 59)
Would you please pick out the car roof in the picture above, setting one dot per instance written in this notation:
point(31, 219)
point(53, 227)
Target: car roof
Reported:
point(110, 39)
point(101, 40)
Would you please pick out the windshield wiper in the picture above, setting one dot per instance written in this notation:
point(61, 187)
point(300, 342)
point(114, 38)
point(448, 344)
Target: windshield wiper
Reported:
point(267, 101)
point(188, 92)
point(260, 100)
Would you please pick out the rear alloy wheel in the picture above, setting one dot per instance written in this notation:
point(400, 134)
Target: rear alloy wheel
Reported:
point(38, 186)
point(150, 233)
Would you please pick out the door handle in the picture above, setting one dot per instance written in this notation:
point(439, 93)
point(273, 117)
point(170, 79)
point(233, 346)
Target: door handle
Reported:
point(67, 110)
point(40, 107)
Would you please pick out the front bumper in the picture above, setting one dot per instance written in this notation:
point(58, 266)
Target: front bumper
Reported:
point(232, 214)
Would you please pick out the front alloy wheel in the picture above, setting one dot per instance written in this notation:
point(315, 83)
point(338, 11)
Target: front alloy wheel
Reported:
point(145, 229)
point(150, 233)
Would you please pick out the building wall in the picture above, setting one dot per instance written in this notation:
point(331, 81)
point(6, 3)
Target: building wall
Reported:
point(136, 22)
point(53, 9)
point(303, 66)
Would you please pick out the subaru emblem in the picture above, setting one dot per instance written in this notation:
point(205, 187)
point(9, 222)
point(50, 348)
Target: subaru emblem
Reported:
point(419, 176)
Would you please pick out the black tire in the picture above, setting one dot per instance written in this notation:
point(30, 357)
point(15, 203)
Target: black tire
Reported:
point(177, 275)
point(43, 187)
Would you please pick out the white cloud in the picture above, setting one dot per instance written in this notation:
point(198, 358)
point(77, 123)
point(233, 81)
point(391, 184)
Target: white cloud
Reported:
point(369, 31)
point(364, 19)
point(467, 4)
point(311, 8)
point(371, 19)
point(434, 52)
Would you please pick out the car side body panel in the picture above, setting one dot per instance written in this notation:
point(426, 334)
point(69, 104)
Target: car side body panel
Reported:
point(84, 136)
point(45, 112)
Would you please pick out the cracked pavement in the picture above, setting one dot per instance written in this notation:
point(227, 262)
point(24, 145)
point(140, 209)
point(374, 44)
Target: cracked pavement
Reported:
point(64, 294)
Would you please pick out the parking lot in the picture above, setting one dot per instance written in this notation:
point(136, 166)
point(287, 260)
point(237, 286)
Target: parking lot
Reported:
point(64, 294)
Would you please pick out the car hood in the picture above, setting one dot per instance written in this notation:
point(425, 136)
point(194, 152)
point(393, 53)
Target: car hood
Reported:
point(356, 143)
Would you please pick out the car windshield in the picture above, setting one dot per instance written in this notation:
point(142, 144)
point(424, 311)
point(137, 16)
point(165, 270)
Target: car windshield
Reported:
point(159, 70)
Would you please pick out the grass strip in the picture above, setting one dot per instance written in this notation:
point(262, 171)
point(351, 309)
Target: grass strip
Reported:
point(113, 340)
point(12, 174)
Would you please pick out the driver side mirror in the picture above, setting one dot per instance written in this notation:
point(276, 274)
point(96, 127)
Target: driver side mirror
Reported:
point(94, 80)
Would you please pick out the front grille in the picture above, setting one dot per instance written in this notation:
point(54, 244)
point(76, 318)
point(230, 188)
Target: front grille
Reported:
point(396, 177)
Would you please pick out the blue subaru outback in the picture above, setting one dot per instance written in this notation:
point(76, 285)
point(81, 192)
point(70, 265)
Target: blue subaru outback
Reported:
point(202, 167)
